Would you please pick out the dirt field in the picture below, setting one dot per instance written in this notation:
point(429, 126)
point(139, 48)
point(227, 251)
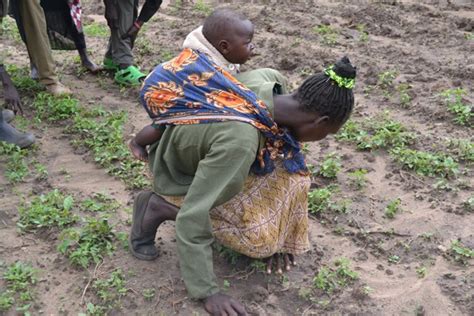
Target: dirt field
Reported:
point(405, 223)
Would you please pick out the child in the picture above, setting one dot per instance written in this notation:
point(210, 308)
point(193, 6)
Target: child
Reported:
point(226, 38)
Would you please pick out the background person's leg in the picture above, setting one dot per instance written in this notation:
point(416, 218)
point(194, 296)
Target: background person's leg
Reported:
point(122, 48)
point(37, 42)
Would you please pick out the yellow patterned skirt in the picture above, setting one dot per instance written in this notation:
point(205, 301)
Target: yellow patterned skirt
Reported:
point(269, 216)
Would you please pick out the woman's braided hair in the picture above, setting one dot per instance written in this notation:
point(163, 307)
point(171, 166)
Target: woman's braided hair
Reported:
point(330, 93)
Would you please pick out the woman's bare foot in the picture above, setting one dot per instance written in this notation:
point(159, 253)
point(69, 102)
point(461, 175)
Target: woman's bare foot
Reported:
point(279, 259)
point(138, 151)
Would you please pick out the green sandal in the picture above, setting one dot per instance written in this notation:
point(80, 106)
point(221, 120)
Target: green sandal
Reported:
point(129, 76)
point(109, 64)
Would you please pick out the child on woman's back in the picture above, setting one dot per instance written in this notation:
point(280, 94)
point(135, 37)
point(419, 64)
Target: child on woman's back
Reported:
point(226, 39)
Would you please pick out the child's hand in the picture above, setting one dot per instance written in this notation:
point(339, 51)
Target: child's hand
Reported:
point(138, 151)
point(132, 31)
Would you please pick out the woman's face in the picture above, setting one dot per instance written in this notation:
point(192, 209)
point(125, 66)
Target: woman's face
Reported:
point(315, 130)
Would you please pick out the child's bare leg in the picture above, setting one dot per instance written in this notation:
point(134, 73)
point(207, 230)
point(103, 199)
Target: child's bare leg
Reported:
point(138, 151)
point(149, 212)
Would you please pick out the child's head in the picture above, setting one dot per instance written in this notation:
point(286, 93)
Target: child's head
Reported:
point(329, 95)
point(231, 34)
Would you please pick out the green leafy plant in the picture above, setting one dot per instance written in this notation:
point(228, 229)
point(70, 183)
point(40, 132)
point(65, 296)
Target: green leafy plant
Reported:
point(404, 97)
point(460, 253)
point(358, 179)
point(201, 6)
point(319, 200)
point(96, 29)
point(393, 208)
point(99, 202)
point(104, 137)
point(330, 279)
point(19, 278)
point(468, 205)
point(454, 101)
point(426, 163)
point(53, 209)
point(363, 35)
point(386, 78)
point(329, 36)
point(394, 259)
point(379, 132)
point(22, 80)
point(228, 254)
point(41, 171)
point(110, 291)
point(89, 243)
point(54, 108)
point(148, 294)
point(421, 272)
point(331, 166)
point(462, 149)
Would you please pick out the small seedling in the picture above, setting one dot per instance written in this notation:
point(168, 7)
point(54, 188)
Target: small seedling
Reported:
point(148, 294)
point(331, 279)
point(319, 200)
point(226, 284)
point(421, 272)
point(468, 205)
point(41, 171)
point(54, 108)
point(99, 202)
point(19, 279)
point(460, 253)
point(96, 30)
point(394, 259)
point(403, 95)
point(393, 208)
point(426, 163)
point(358, 179)
point(363, 35)
point(331, 166)
point(454, 101)
point(110, 291)
point(228, 254)
point(89, 243)
point(462, 149)
point(386, 79)
point(201, 6)
point(329, 35)
point(53, 209)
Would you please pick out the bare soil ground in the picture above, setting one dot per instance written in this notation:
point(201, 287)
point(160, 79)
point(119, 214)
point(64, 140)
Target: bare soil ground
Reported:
point(405, 265)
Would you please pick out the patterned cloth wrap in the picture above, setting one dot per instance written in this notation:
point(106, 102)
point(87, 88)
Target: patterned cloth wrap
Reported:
point(190, 89)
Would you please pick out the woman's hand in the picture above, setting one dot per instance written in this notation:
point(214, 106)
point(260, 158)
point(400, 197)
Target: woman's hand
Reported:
point(12, 98)
point(280, 261)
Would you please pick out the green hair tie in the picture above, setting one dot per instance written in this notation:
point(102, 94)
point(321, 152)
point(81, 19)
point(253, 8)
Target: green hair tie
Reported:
point(341, 81)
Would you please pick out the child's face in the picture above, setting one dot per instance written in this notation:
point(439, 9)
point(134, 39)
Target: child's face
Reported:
point(240, 45)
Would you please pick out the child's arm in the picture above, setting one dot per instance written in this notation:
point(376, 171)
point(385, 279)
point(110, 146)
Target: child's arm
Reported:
point(147, 136)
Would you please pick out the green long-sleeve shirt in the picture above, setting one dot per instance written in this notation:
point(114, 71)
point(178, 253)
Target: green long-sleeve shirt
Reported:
point(208, 164)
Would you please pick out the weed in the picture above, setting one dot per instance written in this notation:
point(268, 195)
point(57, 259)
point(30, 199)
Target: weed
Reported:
point(393, 208)
point(358, 179)
point(460, 253)
point(379, 132)
point(148, 294)
point(96, 30)
point(89, 243)
point(330, 166)
point(110, 291)
point(54, 108)
point(105, 138)
point(319, 200)
point(394, 259)
point(421, 272)
point(469, 36)
point(454, 101)
point(17, 168)
point(8, 29)
point(228, 254)
point(404, 97)
point(329, 36)
point(385, 79)
point(201, 6)
point(41, 171)
point(426, 163)
point(331, 279)
point(463, 149)
point(21, 79)
point(99, 202)
point(19, 278)
point(47, 210)
point(468, 205)
point(363, 35)
point(226, 284)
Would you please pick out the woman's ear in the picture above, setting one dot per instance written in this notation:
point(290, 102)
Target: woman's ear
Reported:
point(223, 47)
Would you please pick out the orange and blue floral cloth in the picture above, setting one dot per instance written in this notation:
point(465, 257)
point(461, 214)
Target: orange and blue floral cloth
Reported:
point(191, 89)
